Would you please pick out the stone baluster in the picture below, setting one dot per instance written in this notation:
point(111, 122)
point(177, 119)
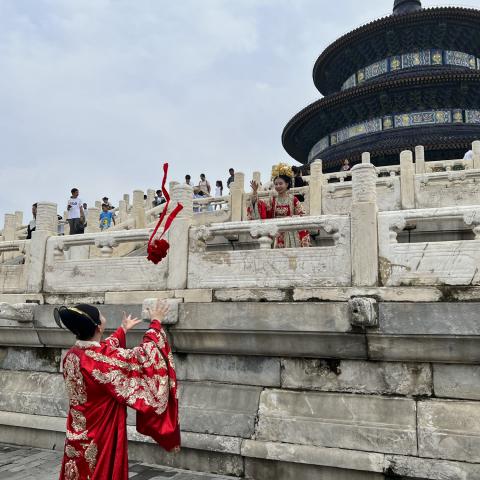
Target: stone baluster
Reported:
point(150, 198)
point(122, 211)
point(366, 157)
point(66, 229)
point(19, 216)
point(476, 154)
point(364, 237)
point(178, 237)
point(93, 224)
point(138, 209)
point(46, 226)
point(407, 180)
point(257, 177)
point(106, 245)
point(315, 187)
point(9, 233)
point(98, 204)
point(126, 199)
point(237, 190)
point(420, 159)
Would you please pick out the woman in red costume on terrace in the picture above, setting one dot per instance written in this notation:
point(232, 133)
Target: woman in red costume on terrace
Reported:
point(284, 204)
point(101, 379)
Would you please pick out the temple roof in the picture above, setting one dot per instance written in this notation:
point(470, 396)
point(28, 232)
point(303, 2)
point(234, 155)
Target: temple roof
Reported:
point(400, 93)
point(446, 28)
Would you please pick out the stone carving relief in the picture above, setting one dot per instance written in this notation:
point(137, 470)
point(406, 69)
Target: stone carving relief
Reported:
point(363, 311)
point(21, 312)
point(265, 233)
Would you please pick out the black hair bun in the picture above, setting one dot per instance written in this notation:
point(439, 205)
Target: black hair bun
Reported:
point(82, 319)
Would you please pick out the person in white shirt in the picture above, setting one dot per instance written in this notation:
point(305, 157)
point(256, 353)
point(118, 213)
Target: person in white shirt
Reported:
point(204, 185)
point(468, 155)
point(76, 215)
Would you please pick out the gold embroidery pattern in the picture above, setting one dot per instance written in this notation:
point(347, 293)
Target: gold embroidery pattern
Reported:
point(71, 470)
point(77, 436)
point(113, 341)
point(91, 455)
point(146, 356)
point(71, 452)
point(151, 390)
point(74, 380)
point(79, 422)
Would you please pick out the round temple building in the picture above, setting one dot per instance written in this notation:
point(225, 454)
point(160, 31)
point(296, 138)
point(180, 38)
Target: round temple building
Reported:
point(412, 78)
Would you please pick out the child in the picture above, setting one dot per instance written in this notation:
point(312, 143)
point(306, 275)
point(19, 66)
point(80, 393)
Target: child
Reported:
point(106, 217)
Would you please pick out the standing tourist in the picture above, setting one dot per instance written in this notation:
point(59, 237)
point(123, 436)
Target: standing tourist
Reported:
point(231, 178)
point(76, 215)
point(204, 185)
point(159, 198)
point(106, 218)
point(107, 203)
point(345, 165)
point(283, 205)
point(32, 225)
point(298, 182)
point(188, 180)
point(102, 378)
point(218, 193)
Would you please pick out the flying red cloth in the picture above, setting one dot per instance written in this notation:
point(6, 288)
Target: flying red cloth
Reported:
point(157, 248)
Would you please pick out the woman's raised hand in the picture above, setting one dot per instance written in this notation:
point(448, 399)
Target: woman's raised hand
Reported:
point(159, 310)
point(128, 322)
point(254, 186)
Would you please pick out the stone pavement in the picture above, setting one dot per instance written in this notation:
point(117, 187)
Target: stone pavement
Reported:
point(26, 463)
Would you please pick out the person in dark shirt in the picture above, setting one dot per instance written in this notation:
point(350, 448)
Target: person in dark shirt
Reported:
point(298, 182)
point(231, 178)
point(33, 223)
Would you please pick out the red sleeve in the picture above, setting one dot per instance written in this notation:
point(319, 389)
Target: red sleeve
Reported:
point(143, 378)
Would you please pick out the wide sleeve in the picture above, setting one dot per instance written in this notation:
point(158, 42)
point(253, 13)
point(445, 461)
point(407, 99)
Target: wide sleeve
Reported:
point(143, 378)
point(298, 208)
point(304, 235)
point(260, 210)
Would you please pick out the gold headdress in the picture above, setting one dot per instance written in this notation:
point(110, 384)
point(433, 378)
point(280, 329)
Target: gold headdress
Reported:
point(282, 169)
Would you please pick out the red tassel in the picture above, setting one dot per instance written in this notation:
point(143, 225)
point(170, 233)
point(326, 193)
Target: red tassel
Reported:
point(157, 249)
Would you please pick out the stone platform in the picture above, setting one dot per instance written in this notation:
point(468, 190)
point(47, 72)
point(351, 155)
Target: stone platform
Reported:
point(25, 463)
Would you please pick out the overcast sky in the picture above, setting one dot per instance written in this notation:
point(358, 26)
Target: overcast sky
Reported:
point(99, 93)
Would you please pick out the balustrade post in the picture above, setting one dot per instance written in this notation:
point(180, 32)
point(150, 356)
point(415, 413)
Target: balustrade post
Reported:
point(126, 199)
point(364, 231)
point(98, 204)
point(237, 190)
point(178, 237)
point(66, 228)
point(476, 154)
point(315, 187)
point(150, 198)
point(366, 157)
point(138, 209)
point(19, 219)
point(46, 227)
point(257, 177)
point(9, 233)
point(407, 180)
point(122, 211)
point(419, 159)
point(93, 220)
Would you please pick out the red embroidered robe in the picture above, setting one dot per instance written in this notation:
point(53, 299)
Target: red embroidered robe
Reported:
point(101, 379)
point(274, 207)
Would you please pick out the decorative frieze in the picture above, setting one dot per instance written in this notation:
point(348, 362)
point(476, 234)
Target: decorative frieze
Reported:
point(422, 58)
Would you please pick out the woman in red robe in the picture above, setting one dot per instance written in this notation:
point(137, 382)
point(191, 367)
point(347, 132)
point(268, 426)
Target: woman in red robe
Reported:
point(101, 379)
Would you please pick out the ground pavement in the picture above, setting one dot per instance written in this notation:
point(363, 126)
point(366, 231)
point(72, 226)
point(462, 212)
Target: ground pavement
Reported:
point(26, 463)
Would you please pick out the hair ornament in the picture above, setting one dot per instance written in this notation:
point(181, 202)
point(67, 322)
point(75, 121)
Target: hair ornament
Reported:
point(282, 169)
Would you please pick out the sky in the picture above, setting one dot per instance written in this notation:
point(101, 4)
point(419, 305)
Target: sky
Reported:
point(98, 94)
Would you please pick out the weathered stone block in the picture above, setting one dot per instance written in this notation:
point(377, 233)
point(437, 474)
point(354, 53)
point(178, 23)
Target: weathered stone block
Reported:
point(363, 311)
point(357, 376)
point(33, 359)
point(172, 314)
point(327, 457)
point(355, 422)
point(449, 429)
point(195, 295)
point(33, 393)
point(135, 297)
point(250, 295)
point(271, 329)
point(457, 381)
point(229, 369)
point(257, 469)
point(218, 408)
point(19, 312)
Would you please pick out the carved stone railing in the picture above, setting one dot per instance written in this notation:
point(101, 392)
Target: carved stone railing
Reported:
point(70, 267)
point(13, 268)
point(429, 263)
point(267, 267)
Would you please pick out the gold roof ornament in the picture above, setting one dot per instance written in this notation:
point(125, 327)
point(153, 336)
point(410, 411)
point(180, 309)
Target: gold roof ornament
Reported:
point(282, 169)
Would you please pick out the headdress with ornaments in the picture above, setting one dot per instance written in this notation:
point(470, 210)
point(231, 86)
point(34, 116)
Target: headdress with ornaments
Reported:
point(282, 169)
